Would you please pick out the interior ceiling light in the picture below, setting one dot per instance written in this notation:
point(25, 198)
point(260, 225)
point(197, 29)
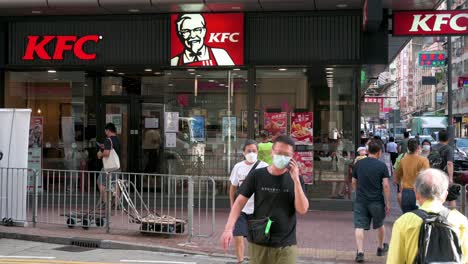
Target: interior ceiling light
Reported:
point(341, 5)
point(236, 8)
point(51, 71)
point(148, 70)
point(329, 69)
point(211, 80)
point(236, 69)
point(192, 73)
point(134, 10)
point(121, 73)
point(109, 70)
point(36, 12)
point(191, 70)
point(282, 69)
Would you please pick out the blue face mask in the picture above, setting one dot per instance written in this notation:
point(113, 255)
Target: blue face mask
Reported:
point(281, 161)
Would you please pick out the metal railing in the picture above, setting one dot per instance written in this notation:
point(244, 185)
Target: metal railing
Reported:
point(141, 202)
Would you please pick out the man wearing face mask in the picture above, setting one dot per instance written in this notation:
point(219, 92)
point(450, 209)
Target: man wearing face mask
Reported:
point(279, 194)
point(238, 175)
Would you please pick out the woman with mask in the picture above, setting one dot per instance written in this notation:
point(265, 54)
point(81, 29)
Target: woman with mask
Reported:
point(426, 148)
point(240, 171)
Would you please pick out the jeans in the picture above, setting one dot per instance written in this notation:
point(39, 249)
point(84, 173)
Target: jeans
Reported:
point(408, 201)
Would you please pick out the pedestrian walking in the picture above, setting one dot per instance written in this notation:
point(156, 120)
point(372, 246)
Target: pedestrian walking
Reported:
point(441, 157)
point(371, 185)
point(432, 234)
point(264, 149)
point(279, 195)
point(392, 149)
point(426, 148)
point(238, 175)
point(403, 147)
point(407, 172)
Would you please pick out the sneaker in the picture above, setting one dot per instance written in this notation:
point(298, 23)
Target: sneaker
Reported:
point(360, 257)
point(381, 251)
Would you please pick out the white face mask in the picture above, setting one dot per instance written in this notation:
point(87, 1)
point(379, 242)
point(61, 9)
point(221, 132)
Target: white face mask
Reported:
point(251, 157)
point(427, 148)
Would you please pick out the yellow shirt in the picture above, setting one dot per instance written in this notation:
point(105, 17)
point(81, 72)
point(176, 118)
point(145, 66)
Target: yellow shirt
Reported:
point(405, 234)
point(409, 168)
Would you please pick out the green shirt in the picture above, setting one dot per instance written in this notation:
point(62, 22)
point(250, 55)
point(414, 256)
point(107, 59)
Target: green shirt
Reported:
point(264, 152)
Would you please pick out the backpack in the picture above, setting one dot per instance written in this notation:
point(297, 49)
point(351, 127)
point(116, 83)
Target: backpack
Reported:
point(438, 242)
point(436, 160)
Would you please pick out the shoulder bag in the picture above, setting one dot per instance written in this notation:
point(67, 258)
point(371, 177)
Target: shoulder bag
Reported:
point(112, 162)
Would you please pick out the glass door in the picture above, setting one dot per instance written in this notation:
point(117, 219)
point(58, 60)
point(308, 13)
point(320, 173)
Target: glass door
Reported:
point(152, 138)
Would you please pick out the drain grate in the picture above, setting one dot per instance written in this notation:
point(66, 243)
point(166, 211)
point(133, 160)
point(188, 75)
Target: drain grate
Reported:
point(85, 243)
point(74, 249)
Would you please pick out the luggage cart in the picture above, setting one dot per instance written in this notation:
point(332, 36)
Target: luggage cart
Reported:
point(151, 223)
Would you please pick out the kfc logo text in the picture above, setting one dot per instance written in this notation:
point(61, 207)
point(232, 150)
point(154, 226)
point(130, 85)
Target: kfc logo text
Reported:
point(431, 23)
point(36, 47)
point(222, 37)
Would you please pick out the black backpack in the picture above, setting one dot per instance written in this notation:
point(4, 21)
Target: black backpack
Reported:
point(436, 160)
point(438, 242)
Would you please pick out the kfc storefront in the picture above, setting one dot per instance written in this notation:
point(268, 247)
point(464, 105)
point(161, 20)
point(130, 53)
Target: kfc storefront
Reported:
point(186, 90)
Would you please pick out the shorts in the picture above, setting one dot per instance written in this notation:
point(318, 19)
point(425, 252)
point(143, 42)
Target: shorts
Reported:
point(364, 212)
point(241, 227)
point(102, 179)
point(282, 255)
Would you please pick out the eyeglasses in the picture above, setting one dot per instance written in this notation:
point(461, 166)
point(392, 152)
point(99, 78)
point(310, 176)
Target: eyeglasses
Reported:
point(187, 32)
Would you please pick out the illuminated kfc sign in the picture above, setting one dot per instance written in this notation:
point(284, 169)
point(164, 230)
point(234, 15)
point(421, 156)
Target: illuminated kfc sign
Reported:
point(36, 47)
point(430, 23)
point(199, 40)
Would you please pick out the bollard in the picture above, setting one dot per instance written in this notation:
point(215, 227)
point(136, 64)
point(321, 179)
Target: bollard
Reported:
point(190, 207)
point(34, 174)
point(108, 201)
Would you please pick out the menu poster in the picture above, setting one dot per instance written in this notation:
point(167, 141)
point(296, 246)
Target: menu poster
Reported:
point(198, 126)
point(275, 123)
point(229, 129)
point(256, 122)
point(302, 128)
point(305, 161)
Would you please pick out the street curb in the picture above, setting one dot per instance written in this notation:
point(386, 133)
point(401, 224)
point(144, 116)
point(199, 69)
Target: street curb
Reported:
point(106, 244)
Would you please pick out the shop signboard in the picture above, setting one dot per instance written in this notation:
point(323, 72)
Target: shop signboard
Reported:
point(370, 109)
point(431, 59)
point(275, 123)
point(302, 128)
point(36, 131)
point(204, 40)
point(417, 23)
point(256, 122)
point(198, 127)
point(229, 127)
point(305, 161)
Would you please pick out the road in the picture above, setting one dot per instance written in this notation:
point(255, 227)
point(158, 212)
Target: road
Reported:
point(26, 252)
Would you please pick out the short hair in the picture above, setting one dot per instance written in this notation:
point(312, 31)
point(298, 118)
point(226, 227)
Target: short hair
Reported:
point(413, 145)
point(431, 184)
point(110, 127)
point(285, 140)
point(426, 141)
point(184, 17)
point(443, 136)
point(391, 139)
point(374, 147)
point(263, 134)
point(406, 134)
point(249, 142)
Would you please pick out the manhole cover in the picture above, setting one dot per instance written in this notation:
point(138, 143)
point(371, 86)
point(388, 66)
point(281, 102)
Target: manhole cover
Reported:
point(74, 249)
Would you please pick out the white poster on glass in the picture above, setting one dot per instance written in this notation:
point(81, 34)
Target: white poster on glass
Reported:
point(171, 122)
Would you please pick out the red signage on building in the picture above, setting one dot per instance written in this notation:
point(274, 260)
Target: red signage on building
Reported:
point(36, 47)
point(430, 23)
point(380, 101)
point(199, 40)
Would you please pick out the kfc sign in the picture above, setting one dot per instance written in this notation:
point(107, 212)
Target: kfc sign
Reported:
point(430, 23)
point(199, 40)
point(36, 47)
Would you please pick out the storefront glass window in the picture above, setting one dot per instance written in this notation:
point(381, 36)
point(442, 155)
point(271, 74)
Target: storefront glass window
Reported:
point(63, 122)
point(316, 108)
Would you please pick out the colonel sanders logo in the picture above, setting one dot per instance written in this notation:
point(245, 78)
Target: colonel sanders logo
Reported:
point(202, 45)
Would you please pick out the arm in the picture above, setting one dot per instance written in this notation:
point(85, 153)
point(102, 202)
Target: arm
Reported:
point(398, 174)
point(450, 171)
point(354, 184)
point(232, 193)
point(107, 149)
point(226, 237)
point(301, 203)
point(386, 190)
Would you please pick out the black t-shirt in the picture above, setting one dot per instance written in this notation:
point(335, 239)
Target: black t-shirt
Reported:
point(115, 144)
point(283, 212)
point(446, 152)
point(370, 173)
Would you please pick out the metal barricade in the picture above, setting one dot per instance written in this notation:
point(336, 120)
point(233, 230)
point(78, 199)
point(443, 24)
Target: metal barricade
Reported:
point(204, 217)
point(14, 195)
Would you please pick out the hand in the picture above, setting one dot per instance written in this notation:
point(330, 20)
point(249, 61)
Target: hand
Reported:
point(99, 155)
point(226, 238)
point(294, 171)
point(387, 210)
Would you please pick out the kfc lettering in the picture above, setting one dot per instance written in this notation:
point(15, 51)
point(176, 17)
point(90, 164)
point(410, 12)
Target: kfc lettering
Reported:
point(36, 46)
point(430, 23)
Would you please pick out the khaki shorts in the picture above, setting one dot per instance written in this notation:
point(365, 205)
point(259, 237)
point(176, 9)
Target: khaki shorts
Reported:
point(268, 255)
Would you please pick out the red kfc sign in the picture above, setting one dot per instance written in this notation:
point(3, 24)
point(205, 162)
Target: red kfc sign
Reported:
point(36, 47)
point(199, 40)
point(430, 23)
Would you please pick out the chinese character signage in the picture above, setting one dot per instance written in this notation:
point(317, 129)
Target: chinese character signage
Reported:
point(305, 161)
point(302, 128)
point(430, 23)
point(275, 123)
point(431, 59)
point(205, 40)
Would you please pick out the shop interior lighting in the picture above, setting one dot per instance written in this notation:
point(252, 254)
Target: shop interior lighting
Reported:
point(236, 69)
point(55, 79)
point(39, 111)
point(329, 69)
point(195, 86)
point(51, 71)
point(148, 70)
point(341, 5)
point(121, 73)
point(134, 10)
point(36, 12)
point(171, 84)
point(236, 8)
point(282, 69)
point(191, 70)
point(211, 80)
point(109, 70)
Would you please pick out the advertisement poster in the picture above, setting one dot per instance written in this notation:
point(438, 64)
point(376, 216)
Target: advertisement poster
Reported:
point(171, 140)
point(198, 126)
point(305, 160)
point(229, 130)
point(35, 151)
point(275, 123)
point(171, 120)
point(201, 40)
point(116, 119)
point(256, 122)
point(302, 128)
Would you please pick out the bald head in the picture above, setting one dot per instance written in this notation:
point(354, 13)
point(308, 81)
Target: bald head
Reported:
point(432, 184)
